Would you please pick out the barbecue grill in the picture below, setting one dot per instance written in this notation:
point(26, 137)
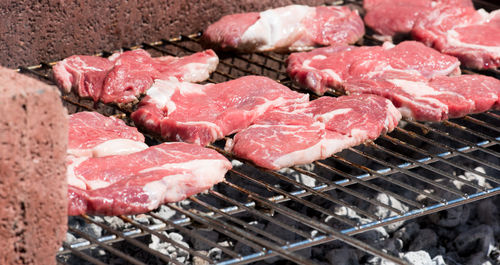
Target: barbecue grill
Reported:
point(415, 164)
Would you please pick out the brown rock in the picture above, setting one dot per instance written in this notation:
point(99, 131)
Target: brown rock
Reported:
point(33, 189)
point(34, 31)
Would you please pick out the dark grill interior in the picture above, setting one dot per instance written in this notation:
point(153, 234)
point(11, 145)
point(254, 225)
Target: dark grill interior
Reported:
point(257, 214)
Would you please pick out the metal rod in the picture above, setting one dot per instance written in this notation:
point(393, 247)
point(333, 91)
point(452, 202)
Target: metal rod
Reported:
point(241, 233)
point(132, 241)
point(451, 150)
point(108, 248)
point(193, 234)
point(321, 226)
point(423, 165)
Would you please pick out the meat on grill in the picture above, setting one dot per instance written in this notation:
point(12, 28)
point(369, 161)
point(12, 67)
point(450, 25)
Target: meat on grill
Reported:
point(289, 28)
point(201, 114)
point(472, 36)
point(92, 135)
point(307, 132)
point(330, 67)
point(436, 99)
point(111, 171)
point(391, 17)
point(122, 77)
point(142, 181)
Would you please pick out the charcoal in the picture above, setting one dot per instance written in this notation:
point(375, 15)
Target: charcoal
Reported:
point(383, 212)
point(479, 239)
point(451, 217)
point(342, 256)
point(425, 240)
point(207, 234)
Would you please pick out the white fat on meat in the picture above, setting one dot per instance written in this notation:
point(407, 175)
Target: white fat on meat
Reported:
point(118, 147)
point(275, 26)
point(74, 180)
point(174, 187)
point(453, 39)
point(298, 157)
point(421, 91)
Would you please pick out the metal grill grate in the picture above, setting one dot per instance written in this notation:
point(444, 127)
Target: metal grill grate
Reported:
point(257, 214)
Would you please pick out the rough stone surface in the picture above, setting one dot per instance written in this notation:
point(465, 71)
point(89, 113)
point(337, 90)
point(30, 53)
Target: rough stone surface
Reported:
point(64, 28)
point(33, 139)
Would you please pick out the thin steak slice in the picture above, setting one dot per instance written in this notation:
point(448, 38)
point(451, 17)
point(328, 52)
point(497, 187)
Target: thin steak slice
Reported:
point(392, 17)
point(436, 99)
point(289, 28)
point(330, 67)
point(122, 77)
point(91, 135)
point(141, 181)
point(201, 114)
point(317, 130)
point(471, 35)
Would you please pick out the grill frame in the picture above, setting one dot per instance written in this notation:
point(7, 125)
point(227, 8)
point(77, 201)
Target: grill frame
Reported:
point(224, 216)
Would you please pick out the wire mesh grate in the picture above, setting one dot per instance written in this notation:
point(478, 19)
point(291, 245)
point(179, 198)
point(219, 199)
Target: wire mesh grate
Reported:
point(257, 214)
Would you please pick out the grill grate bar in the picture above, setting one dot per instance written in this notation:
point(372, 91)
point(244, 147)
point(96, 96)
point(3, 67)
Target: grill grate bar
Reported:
point(317, 193)
point(482, 123)
point(472, 145)
point(451, 152)
point(260, 214)
point(134, 241)
point(411, 174)
point(479, 134)
point(373, 187)
point(423, 165)
point(387, 178)
point(241, 233)
point(239, 222)
point(106, 247)
point(331, 198)
point(318, 225)
point(81, 255)
point(164, 237)
point(193, 234)
point(298, 199)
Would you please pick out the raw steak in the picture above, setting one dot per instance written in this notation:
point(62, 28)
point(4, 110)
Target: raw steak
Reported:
point(92, 134)
point(437, 99)
point(289, 28)
point(201, 114)
point(472, 36)
point(122, 77)
point(141, 181)
point(317, 130)
point(330, 67)
point(391, 17)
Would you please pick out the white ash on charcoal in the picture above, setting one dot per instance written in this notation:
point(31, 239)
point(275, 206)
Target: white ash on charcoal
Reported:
point(169, 249)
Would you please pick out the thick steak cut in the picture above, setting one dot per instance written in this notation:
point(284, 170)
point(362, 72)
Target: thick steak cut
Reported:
point(201, 114)
point(472, 36)
point(330, 67)
point(141, 181)
point(391, 17)
point(317, 130)
point(92, 134)
point(436, 99)
point(122, 77)
point(289, 28)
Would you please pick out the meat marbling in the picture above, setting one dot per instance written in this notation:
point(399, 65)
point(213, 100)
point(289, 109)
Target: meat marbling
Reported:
point(330, 67)
point(111, 171)
point(289, 28)
point(201, 114)
point(471, 35)
point(122, 77)
point(317, 130)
